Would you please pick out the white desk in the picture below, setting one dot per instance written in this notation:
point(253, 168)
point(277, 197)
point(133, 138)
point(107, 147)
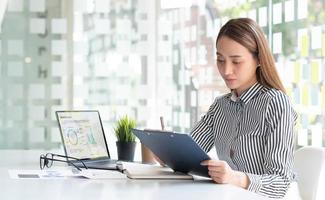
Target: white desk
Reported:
point(78, 189)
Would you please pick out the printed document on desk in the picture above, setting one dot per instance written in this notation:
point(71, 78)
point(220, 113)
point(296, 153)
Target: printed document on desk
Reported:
point(146, 171)
point(63, 173)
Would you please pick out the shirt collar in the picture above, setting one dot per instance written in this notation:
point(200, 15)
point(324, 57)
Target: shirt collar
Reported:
point(247, 95)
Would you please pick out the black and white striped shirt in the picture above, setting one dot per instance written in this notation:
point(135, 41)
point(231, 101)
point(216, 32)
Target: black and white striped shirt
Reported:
point(253, 133)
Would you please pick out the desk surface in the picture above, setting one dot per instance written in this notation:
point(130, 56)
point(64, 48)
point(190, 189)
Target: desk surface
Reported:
point(78, 189)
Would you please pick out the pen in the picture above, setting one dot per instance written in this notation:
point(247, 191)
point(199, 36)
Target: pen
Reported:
point(162, 128)
point(162, 123)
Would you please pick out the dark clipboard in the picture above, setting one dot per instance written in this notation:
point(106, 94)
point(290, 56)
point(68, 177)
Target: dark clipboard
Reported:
point(178, 151)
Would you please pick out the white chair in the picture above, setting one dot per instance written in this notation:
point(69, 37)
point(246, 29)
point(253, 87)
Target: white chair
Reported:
point(309, 165)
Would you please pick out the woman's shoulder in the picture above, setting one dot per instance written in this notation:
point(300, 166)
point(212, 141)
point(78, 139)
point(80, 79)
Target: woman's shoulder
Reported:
point(279, 102)
point(222, 98)
point(275, 95)
point(277, 99)
point(218, 101)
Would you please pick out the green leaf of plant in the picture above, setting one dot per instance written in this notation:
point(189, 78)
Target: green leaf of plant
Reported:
point(123, 128)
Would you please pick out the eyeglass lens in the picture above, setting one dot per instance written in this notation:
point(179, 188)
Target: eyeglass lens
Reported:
point(46, 160)
point(42, 161)
point(49, 160)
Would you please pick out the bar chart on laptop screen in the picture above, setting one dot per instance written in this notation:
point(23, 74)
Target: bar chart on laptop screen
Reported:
point(83, 135)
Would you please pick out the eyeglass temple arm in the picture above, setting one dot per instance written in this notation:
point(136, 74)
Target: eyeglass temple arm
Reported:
point(58, 155)
point(66, 162)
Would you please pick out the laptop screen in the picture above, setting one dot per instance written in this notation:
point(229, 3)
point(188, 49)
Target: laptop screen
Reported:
point(82, 134)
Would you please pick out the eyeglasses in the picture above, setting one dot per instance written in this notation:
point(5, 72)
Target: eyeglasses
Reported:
point(47, 160)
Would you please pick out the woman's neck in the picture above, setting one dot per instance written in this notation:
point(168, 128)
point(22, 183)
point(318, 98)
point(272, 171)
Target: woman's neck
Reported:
point(239, 91)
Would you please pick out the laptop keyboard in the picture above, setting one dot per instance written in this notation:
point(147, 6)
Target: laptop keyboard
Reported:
point(99, 164)
point(102, 162)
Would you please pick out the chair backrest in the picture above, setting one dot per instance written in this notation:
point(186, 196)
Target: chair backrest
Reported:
point(308, 163)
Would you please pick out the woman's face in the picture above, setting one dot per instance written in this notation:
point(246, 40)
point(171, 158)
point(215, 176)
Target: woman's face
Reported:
point(236, 65)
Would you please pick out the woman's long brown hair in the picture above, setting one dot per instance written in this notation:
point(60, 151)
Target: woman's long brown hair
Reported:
point(247, 33)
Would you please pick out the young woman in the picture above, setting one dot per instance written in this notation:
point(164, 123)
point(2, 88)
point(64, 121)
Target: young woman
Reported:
point(252, 126)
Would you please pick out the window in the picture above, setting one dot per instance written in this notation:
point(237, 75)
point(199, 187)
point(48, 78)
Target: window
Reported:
point(116, 59)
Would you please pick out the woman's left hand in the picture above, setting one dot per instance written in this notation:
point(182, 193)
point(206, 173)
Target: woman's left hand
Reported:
point(221, 172)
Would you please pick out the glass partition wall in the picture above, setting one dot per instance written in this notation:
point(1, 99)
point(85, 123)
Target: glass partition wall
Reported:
point(144, 58)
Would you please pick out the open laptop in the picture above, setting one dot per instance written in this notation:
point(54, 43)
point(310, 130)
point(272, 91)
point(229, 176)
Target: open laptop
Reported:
point(178, 151)
point(83, 137)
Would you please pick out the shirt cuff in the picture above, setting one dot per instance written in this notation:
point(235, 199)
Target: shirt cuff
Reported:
point(255, 182)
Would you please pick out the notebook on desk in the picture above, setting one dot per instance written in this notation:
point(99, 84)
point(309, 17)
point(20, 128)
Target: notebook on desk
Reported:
point(147, 171)
point(178, 151)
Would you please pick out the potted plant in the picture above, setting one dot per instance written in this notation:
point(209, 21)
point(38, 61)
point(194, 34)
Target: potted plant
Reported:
point(125, 138)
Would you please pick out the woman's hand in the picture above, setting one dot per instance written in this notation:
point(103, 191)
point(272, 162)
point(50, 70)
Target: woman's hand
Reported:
point(221, 172)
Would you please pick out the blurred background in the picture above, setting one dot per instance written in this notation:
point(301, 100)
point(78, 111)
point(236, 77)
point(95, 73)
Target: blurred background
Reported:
point(144, 58)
